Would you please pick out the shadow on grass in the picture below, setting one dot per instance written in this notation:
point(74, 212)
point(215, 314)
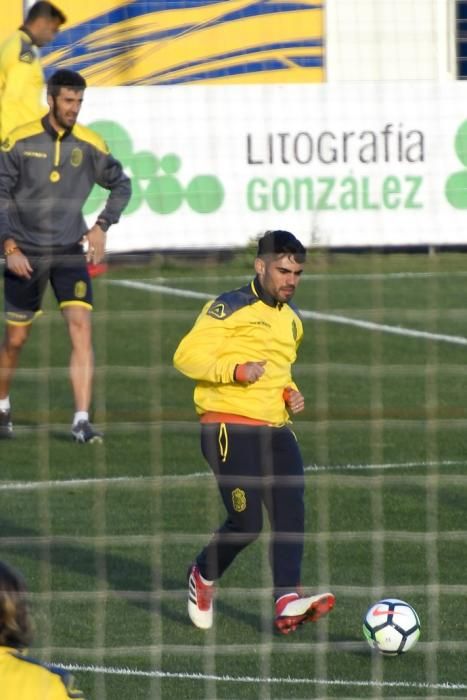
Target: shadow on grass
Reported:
point(123, 574)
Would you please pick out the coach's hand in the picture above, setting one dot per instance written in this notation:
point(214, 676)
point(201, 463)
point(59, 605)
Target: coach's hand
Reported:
point(18, 263)
point(95, 239)
point(249, 372)
point(294, 400)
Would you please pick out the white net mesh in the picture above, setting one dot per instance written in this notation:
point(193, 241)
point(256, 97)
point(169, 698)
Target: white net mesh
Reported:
point(105, 533)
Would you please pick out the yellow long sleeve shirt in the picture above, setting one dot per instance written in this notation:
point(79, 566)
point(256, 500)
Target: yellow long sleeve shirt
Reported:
point(244, 325)
point(21, 83)
point(24, 678)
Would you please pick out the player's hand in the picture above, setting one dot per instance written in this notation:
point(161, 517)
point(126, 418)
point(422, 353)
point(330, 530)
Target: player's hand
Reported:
point(95, 239)
point(249, 372)
point(294, 400)
point(18, 263)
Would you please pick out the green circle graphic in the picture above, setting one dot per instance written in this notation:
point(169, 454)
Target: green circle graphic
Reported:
point(117, 138)
point(460, 143)
point(205, 194)
point(160, 188)
point(164, 195)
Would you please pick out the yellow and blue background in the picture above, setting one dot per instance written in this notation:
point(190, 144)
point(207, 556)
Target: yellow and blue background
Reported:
point(179, 41)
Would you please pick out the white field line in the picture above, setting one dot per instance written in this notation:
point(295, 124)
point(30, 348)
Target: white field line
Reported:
point(269, 680)
point(389, 465)
point(100, 481)
point(115, 480)
point(150, 287)
point(311, 277)
point(317, 316)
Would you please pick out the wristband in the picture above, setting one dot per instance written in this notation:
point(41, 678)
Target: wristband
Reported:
point(104, 224)
point(240, 374)
point(11, 249)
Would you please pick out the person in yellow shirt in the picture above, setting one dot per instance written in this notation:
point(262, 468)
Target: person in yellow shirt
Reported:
point(21, 76)
point(21, 676)
point(240, 352)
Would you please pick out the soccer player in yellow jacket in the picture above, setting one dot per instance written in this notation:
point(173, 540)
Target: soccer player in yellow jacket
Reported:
point(21, 676)
point(21, 76)
point(240, 352)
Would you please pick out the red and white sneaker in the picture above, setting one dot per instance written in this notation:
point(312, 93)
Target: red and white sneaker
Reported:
point(200, 596)
point(293, 610)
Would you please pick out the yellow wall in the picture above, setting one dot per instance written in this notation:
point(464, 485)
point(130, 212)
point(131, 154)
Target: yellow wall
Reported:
point(79, 11)
point(119, 42)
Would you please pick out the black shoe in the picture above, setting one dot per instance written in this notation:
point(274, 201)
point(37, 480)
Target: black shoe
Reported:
point(83, 431)
point(6, 426)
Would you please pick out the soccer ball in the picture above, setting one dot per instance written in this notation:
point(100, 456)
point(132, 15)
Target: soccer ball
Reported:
point(391, 626)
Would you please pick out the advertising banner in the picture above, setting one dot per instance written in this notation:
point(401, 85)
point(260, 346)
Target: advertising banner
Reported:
point(168, 42)
point(367, 164)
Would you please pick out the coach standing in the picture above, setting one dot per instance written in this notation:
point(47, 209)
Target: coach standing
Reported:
point(47, 171)
point(21, 76)
point(240, 352)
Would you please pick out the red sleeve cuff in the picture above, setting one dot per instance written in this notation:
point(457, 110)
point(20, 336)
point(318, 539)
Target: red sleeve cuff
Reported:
point(240, 374)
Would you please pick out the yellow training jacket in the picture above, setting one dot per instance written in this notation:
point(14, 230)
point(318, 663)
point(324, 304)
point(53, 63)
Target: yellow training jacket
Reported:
point(24, 678)
point(21, 83)
point(245, 325)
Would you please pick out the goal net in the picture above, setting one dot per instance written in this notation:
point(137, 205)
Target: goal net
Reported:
point(343, 122)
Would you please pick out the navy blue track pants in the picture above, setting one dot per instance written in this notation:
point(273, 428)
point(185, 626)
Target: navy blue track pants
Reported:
point(256, 466)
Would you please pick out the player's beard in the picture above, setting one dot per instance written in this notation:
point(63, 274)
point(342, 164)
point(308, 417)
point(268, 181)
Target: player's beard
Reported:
point(59, 118)
point(287, 292)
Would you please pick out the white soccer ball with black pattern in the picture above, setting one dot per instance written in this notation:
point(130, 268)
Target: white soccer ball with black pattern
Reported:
point(391, 626)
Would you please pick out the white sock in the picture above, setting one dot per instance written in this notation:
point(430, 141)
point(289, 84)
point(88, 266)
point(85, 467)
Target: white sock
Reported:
point(80, 415)
point(5, 404)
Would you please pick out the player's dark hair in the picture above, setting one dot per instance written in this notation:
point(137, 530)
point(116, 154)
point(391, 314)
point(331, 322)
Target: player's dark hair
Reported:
point(45, 9)
point(281, 243)
point(64, 78)
point(15, 623)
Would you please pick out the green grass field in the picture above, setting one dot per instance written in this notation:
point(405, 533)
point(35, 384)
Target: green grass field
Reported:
point(104, 534)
